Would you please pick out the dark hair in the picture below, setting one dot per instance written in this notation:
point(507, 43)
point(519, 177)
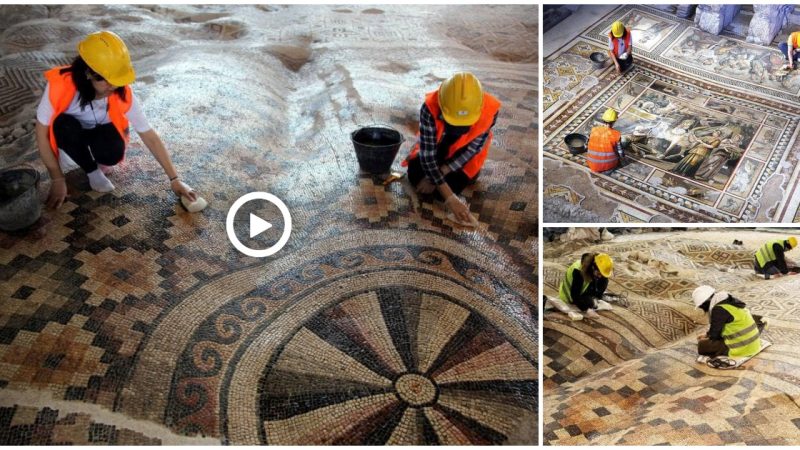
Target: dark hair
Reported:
point(587, 266)
point(86, 92)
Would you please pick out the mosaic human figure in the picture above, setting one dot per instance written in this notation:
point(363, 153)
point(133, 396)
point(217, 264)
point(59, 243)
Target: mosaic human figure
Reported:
point(679, 140)
point(727, 151)
point(703, 146)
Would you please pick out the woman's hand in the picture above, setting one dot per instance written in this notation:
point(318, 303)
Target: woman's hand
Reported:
point(458, 208)
point(182, 189)
point(58, 193)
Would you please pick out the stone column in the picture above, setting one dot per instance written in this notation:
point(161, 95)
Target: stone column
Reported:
point(713, 18)
point(666, 8)
point(685, 11)
point(767, 22)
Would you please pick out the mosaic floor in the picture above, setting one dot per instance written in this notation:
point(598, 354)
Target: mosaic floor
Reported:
point(126, 320)
point(687, 89)
point(629, 377)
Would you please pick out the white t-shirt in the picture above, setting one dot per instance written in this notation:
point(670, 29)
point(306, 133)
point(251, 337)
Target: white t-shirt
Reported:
point(91, 116)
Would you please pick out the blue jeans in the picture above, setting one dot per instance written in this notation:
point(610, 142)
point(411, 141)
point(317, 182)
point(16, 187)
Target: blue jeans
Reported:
point(784, 48)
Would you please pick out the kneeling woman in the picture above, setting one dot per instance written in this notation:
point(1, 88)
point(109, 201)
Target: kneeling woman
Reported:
point(84, 115)
point(586, 281)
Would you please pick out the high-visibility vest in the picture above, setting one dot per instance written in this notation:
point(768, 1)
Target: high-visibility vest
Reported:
point(741, 336)
point(490, 108)
point(62, 91)
point(795, 38)
point(615, 42)
point(601, 155)
point(565, 290)
point(766, 253)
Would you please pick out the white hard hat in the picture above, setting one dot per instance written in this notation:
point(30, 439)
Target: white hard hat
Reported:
point(702, 294)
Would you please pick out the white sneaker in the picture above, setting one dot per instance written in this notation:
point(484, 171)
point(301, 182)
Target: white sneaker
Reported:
point(603, 306)
point(65, 162)
point(575, 315)
point(107, 170)
point(703, 359)
point(607, 235)
point(99, 182)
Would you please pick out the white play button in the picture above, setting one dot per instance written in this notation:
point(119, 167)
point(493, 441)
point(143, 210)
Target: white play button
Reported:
point(258, 225)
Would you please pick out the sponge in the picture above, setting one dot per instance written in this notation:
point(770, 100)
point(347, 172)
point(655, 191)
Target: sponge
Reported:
point(471, 224)
point(194, 206)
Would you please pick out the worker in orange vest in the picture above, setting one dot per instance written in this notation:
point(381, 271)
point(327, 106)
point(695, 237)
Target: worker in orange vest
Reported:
point(455, 126)
point(84, 115)
point(605, 148)
point(620, 47)
point(791, 49)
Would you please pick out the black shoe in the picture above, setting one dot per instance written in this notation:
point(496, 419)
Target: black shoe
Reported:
point(766, 276)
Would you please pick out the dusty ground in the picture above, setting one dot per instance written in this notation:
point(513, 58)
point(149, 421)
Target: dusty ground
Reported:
point(125, 319)
point(630, 377)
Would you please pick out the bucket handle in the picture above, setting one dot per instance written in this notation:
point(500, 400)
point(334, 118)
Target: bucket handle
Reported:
point(384, 125)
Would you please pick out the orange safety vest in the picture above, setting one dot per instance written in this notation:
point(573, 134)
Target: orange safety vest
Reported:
point(490, 108)
point(601, 156)
point(795, 39)
point(615, 42)
point(62, 91)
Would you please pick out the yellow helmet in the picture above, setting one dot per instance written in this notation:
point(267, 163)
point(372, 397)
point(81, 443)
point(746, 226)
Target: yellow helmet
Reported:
point(604, 264)
point(461, 99)
point(617, 29)
point(106, 54)
point(792, 241)
point(610, 115)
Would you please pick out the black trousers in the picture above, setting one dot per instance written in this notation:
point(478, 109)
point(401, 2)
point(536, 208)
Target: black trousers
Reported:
point(595, 290)
point(101, 144)
point(457, 180)
point(770, 268)
point(625, 64)
point(712, 349)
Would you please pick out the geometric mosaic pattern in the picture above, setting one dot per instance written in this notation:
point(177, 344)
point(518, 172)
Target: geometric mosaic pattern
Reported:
point(127, 320)
point(629, 377)
point(687, 88)
point(31, 426)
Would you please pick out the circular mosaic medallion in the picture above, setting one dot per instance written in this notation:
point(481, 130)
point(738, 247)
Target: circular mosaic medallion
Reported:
point(395, 365)
point(415, 389)
point(410, 339)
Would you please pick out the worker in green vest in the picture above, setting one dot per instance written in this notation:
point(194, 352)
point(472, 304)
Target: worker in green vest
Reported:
point(586, 281)
point(770, 259)
point(733, 331)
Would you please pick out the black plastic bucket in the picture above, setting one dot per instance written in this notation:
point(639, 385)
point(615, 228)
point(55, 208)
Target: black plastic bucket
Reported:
point(376, 148)
point(19, 200)
point(598, 59)
point(576, 143)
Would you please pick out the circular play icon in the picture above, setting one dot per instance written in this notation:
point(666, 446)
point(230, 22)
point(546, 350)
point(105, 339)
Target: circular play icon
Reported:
point(258, 225)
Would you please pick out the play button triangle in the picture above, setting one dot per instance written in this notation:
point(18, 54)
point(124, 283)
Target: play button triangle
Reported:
point(258, 225)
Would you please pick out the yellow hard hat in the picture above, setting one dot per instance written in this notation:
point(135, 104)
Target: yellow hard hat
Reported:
point(610, 115)
point(617, 29)
point(604, 264)
point(106, 54)
point(792, 241)
point(461, 99)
